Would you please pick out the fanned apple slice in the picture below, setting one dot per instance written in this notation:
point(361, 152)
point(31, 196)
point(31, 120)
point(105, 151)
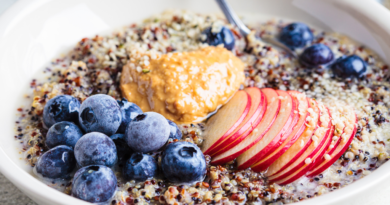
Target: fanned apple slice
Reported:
point(318, 158)
point(346, 139)
point(319, 137)
point(297, 130)
point(303, 169)
point(303, 142)
point(273, 106)
point(338, 122)
point(251, 120)
point(249, 125)
point(271, 139)
point(226, 120)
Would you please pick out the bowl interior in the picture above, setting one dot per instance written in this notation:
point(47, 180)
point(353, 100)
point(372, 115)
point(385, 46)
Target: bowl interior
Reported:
point(32, 33)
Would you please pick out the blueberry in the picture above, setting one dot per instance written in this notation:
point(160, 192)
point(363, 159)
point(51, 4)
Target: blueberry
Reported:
point(175, 131)
point(296, 35)
point(100, 113)
point(223, 36)
point(183, 162)
point(315, 55)
point(61, 108)
point(129, 112)
point(58, 162)
point(63, 133)
point(95, 149)
point(148, 132)
point(140, 167)
point(349, 67)
point(123, 150)
point(94, 184)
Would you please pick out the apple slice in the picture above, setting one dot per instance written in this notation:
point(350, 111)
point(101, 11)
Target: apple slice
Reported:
point(271, 139)
point(318, 159)
point(297, 130)
point(346, 139)
point(303, 169)
point(273, 106)
point(251, 120)
point(338, 129)
point(319, 137)
point(302, 143)
point(226, 120)
point(339, 123)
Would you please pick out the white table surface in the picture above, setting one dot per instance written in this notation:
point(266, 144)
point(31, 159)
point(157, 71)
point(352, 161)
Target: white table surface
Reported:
point(10, 195)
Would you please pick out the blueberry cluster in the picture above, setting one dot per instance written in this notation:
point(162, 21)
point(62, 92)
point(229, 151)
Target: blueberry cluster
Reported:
point(78, 136)
point(299, 35)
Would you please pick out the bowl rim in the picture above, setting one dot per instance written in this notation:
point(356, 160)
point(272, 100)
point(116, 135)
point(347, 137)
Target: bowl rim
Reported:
point(32, 187)
point(27, 183)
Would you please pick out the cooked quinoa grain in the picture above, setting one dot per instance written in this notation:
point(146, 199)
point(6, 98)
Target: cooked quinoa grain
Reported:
point(94, 66)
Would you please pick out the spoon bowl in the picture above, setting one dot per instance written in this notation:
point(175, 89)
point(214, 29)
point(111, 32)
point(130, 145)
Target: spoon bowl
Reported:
point(245, 31)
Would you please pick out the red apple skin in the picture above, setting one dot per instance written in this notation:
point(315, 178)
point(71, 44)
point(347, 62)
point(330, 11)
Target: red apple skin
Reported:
point(334, 159)
point(320, 157)
point(273, 106)
point(219, 158)
point(312, 149)
point(301, 145)
point(253, 118)
point(270, 140)
point(330, 150)
point(240, 138)
point(350, 131)
point(297, 130)
point(303, 170)
point(237, 107)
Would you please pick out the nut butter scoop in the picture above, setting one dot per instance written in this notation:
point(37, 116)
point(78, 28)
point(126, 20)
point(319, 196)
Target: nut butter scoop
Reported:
point(184, 87)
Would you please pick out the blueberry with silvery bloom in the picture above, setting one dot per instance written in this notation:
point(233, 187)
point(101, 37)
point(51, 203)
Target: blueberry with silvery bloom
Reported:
point(61, 108)
point(95, 149)
point(140, 167)
point(63, 133)
point(129, 112)
point(100, 113)
point(148, 132)
point(95, 183)
point(57, 163)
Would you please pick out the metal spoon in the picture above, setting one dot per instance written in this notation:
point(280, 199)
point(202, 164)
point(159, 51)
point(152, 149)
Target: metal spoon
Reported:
point(233, 19)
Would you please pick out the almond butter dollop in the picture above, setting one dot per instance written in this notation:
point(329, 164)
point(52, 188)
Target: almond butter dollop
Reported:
point(184, 86)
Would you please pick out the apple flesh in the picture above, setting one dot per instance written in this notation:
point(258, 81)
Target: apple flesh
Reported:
point(284, 133)
point(319, 137)
point(303, 169)
point(273, 106)
point(346, 139)
point(301, 145)
point(338, 130)
point(301, 114)
point(318, 159)
point(253, 118)
point(226, 120)
point(271, 139)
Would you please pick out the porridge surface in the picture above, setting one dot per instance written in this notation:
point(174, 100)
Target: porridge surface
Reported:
point(95, 64)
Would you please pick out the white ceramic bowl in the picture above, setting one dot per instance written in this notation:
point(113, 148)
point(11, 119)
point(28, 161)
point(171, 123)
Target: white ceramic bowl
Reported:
point(32, 32)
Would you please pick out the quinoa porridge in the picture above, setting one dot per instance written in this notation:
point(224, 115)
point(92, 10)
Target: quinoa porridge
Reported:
point(94, 66)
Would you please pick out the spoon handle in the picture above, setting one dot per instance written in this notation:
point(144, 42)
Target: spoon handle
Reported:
point(232, 17)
